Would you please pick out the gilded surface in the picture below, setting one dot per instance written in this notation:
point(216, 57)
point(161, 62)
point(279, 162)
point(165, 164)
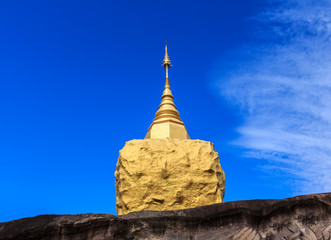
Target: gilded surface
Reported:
point(167, 121)
point(167, 174)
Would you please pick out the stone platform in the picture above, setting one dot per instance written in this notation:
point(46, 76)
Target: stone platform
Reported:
point(302, 217)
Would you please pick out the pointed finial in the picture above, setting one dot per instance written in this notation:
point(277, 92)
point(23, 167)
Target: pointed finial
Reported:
point(167, 122)
point(166, 60)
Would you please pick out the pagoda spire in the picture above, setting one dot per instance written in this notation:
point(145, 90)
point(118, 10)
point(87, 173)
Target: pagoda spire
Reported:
point(166, 62)
point(167, 122)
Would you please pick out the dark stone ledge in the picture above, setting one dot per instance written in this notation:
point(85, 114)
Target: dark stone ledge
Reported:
point(301, 217)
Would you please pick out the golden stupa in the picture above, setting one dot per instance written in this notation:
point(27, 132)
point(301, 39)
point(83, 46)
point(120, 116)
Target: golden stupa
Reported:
point(167, 122)
point(167, 170)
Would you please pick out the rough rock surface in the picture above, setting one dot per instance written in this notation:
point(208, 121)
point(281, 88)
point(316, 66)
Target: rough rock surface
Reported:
point(167, 174)
point(302, 217)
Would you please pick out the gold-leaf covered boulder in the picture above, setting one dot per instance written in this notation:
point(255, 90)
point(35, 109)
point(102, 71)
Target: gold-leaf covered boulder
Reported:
point(167, 174)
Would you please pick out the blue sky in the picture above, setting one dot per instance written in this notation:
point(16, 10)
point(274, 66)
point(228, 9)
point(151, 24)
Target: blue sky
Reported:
point(80, 78)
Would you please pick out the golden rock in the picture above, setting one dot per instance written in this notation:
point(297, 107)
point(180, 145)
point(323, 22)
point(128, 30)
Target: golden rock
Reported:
point(167, 174)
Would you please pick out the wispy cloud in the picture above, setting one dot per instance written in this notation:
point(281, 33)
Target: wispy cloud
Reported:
point(284, 91)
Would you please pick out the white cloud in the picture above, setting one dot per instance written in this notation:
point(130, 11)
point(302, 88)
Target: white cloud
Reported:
point(285, 94)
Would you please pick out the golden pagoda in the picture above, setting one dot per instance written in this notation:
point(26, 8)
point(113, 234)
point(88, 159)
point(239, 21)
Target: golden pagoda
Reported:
point(167, 122)
point(167, 170)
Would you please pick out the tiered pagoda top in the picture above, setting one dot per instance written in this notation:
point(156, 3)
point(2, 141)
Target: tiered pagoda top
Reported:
point(167, 122)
